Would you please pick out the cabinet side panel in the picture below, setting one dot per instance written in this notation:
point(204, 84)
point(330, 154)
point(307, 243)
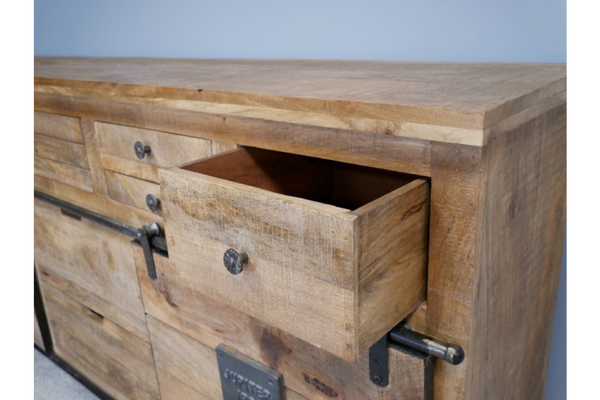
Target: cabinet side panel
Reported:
point(521, 236)
point(455, 187)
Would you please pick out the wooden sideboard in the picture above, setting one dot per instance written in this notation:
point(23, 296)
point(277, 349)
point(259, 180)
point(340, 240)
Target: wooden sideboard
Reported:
point(293, 213)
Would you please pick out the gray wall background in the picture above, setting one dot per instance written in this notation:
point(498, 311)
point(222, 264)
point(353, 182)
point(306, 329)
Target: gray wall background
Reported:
point(426, 30)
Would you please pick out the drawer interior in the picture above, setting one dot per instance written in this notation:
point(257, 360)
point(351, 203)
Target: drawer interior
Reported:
point(335, 183)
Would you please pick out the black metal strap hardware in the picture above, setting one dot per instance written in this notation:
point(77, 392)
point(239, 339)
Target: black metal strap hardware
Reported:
point(146, 233)
point(148, 237)
point(378, 363)
point(410, 342)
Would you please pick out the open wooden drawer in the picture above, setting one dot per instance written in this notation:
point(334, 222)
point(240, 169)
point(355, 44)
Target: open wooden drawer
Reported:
point(332, 253)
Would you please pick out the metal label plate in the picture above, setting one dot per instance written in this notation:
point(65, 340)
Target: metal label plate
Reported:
point(245, 379)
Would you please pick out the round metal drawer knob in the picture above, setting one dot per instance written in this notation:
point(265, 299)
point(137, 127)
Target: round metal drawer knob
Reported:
point(152, 202)
point(234, 261)
point(141, 150)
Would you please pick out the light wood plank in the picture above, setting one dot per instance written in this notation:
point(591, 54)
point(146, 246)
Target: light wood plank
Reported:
point(61, 151)
point(124, 166)
point(221, 147)
point(92, 147)
point(455, 190)
point(308, 371)
point(188, 360)
point(375, 125)
point(98, 204)
point(476, 95)
point(417, 321)
point(167, 150)
point(58, 126)
point(92, 256)
point(172, 388)
point(117, 361)
point(114, 312)
point(73, 176)
point(394, 153)
point(131, 191)
point(391, 281)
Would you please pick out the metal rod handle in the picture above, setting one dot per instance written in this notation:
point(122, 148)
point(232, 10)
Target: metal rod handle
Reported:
point(451, 353)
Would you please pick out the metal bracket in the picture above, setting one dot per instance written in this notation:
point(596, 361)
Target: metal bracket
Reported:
point(379, 363)
point(412, 343)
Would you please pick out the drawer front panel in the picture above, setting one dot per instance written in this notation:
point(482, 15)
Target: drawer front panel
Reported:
point(61, 151)
point(132, 191)
point(58, 126)
point(126, 320)
point(80, 178)
point(166, 150)
point(186, 326)
point(314, 269)
point(91, 256)
point(124, 166)
point(117, 361)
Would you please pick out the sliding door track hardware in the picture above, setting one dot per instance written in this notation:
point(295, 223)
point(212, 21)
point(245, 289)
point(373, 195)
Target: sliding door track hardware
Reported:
point(149, 237)
point(416, 341)
point(413, 343)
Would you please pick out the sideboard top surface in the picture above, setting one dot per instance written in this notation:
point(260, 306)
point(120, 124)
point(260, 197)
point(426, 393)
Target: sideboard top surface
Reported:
point(473, 96)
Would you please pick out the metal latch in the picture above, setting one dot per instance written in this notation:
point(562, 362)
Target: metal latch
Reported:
point(145, 235)
point(416, 345)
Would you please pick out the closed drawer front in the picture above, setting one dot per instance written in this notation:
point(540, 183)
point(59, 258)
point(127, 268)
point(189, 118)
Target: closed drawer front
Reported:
point(186, 326)
point(114, 359)
point(135, 192)
point(59, 152)
point(90, 256)
point(80, 178)
point(57, 126)
point(150, 147)
point(332, 253)
point(186, 366)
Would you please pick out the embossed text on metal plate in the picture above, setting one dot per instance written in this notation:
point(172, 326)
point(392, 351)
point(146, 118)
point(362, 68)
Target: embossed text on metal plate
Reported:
point(245, 379)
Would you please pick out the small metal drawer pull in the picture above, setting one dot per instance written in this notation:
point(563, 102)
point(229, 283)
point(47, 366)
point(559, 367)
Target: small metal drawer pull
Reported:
point(152, 202)
point(234, 261)
point(141, 150)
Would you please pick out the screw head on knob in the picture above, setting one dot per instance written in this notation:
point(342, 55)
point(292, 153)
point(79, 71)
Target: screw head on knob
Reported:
point(234, 261)
point(141, 150)
point(152, 202)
